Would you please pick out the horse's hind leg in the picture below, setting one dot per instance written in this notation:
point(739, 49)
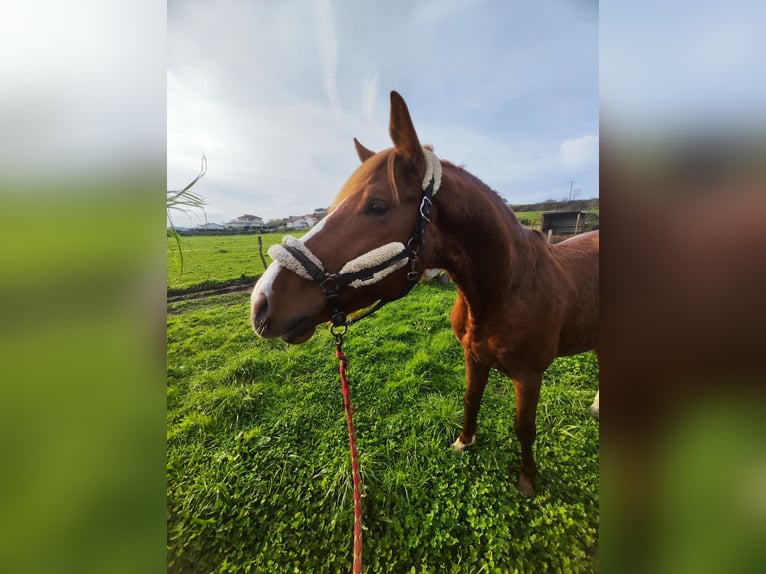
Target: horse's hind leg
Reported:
point(476, 379)
point(527, 395)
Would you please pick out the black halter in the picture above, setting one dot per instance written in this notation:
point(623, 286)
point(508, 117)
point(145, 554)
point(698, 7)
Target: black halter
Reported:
point(332, 283)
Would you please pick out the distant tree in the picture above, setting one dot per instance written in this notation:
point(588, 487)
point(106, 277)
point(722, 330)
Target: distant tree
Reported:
point(275, 224)
point(549, 204)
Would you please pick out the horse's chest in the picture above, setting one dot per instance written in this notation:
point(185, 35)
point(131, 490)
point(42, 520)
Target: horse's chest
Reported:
point(508, 350)
point(488, 352)
point(500, 344)
point(481, 348)
point(496, 352)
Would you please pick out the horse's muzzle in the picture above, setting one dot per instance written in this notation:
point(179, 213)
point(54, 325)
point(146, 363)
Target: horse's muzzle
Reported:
point(299, 331)
point(258, 315)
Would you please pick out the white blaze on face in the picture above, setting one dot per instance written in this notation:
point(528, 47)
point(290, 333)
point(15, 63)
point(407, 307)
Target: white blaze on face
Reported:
point(316, 229)
point(265, 284)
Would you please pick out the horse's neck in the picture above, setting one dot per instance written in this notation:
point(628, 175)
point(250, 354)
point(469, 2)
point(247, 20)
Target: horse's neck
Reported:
point(480, 242)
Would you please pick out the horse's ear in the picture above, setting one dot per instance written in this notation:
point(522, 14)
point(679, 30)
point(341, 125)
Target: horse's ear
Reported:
point(403, 132)
point(362, 152)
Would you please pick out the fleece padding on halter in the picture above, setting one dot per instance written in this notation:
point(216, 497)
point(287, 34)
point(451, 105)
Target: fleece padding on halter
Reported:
point(355, 269)
point(288, 260)
point(373, 258)
point(433, 170)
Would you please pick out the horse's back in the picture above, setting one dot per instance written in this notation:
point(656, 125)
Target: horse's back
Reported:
point(579, 254)
point(589, 239)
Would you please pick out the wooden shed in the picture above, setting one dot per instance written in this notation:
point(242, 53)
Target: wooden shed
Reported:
point(563, 222)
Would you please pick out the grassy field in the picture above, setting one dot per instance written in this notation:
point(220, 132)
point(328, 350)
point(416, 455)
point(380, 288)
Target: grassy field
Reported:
point(217, 258)
point(531, 219)
point(258, 469)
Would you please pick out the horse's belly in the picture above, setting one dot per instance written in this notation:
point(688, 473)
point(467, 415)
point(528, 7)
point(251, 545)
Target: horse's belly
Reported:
point(574, 349)
point(571, 343)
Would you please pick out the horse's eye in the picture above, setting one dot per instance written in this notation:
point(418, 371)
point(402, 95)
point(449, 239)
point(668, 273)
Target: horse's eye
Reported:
point(376, 207)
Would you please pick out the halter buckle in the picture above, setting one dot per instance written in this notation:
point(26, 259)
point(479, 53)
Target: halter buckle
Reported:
point(329, 286)
point(425, 208)
point(413, 275)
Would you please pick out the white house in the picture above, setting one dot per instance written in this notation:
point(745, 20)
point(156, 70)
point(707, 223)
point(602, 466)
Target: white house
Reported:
point(210, 227)
point(301, 221)
point(245, 222)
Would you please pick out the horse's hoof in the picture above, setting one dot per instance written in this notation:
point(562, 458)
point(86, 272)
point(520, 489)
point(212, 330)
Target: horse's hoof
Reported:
point(458, 446)
point(525, 486)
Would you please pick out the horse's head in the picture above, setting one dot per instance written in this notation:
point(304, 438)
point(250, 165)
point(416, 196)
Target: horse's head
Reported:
point(361, 252)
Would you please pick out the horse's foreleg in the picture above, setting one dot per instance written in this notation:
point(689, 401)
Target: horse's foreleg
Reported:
point(476, 379)
point(527, 395)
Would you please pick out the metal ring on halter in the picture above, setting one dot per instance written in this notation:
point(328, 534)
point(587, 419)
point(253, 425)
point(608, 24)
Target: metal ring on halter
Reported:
point(335, 330)
point(325, 285)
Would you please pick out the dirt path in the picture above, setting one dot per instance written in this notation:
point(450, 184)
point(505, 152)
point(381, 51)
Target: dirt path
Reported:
point(198, 292)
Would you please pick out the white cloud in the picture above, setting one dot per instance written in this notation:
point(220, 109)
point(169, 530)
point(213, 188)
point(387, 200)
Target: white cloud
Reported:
point(579, 152)
point(369, 96)
point(327, 43)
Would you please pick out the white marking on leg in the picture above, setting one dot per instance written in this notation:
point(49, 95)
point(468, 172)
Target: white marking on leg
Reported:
point(458, 446)
point(594, 406)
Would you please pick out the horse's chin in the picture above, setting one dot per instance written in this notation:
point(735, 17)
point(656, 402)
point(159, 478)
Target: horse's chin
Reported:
point(300, 333)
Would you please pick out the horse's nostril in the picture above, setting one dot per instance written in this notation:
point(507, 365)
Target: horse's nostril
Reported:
point(260, 308)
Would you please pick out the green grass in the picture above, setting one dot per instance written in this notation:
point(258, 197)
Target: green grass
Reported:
point(217, 258)
point(533, 219)
point(259, 473)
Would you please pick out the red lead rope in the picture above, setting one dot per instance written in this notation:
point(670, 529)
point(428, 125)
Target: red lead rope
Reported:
point(354, 458)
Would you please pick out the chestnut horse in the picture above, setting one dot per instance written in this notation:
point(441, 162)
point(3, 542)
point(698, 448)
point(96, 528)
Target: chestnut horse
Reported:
point(521, 302)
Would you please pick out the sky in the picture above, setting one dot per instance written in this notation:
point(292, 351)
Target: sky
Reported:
point(682, 65)
point(273, 92)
